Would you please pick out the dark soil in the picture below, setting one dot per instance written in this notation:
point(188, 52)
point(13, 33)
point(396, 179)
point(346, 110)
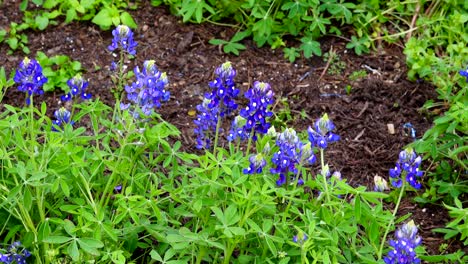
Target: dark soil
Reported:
point(305, 89)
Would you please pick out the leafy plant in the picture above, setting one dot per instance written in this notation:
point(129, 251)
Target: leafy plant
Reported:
point(14, 37)
point(459, 223)
point(232, 46)
point(58, 69)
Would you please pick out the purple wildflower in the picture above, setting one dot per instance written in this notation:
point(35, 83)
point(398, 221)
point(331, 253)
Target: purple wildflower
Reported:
point(321, 135)
point(216, 104)
point(291, 153)
point(404, 245)
point(77, 85)
point(62, 117)
point(408, 162)
point(257, 162)
point(123, 37)
point(30, 78)
point(149, 89)
point(206, 122)
point(237, 129)
point(224, 90)
point(260, 96)
point(16, 253)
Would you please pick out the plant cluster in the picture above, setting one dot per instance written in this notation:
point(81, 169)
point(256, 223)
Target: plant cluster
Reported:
point(123, 191)
point(273, 22)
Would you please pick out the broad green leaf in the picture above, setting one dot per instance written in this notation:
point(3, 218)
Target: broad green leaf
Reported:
point(103, 18)
point(127, 19)
point(73, 251)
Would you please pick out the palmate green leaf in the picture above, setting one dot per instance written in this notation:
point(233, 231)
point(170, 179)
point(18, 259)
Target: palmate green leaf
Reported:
point(263, 27)
point(310, 46)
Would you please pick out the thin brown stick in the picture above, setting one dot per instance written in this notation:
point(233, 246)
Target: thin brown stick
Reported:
point(413, 21)
point(330, 57)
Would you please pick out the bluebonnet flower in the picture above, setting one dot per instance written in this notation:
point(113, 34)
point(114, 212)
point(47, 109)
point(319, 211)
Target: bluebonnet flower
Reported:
point(224, 90)
point(237, 129)
point(464, 73)
point(149, 89)
point(77, 85)
point(321, 134)
point(300, 238)
point(16, 253)
point(123, 37)
point(30, 78)
point(408, 164)
point(291, 153)
point(62, 117)
point(260, 96)
point(404, 245)
point(380, 184)
point(257, 162)
point(216, 104)
point(206, 122)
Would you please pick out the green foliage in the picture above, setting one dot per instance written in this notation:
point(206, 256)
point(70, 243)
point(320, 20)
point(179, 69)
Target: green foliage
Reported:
point(335, 65)
point(58, 70)
point(356, 75)
point(270, 22)
point(459, 223)
point(232, 46)
point(60, 198)
point(14, 37)
point(103, 13)
point(442, 32)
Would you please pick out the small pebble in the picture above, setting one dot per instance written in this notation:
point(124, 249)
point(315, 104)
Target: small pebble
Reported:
point(391, 129)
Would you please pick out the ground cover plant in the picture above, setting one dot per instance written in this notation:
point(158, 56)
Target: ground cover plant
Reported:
point(114, 183)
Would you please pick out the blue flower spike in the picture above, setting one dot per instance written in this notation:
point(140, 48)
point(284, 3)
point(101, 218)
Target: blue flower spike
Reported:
point(407, 166)
point(300, 238)
point(30, 78)
point(16, 253)
point(404, 245)
point(290, 154)
point(148, 91)
point(62, 117)
point(257, 162)
point(77, 86)
point(123, 38)
point(218, 103)
point(260, 98)
point(321, 135)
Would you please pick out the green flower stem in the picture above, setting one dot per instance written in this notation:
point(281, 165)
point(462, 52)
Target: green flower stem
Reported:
point(285, 213)
point(249, 142)
point(325, 184)
point(402, 190)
